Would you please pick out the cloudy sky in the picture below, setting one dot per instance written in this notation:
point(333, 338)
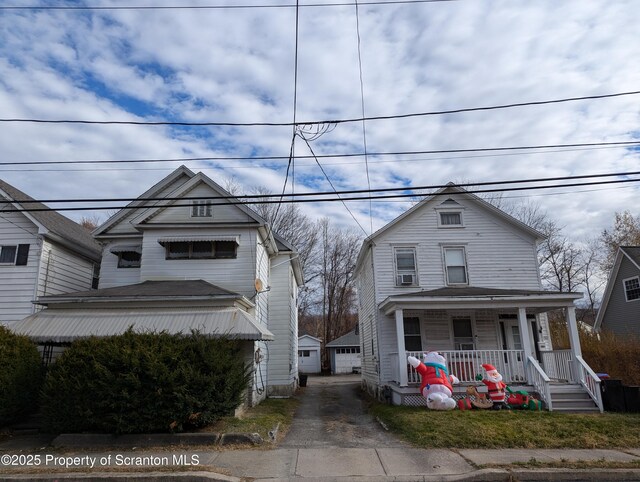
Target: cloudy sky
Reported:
point(237, 65)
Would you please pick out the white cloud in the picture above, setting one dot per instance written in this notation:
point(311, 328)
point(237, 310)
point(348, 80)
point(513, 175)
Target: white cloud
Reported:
point(237, 65)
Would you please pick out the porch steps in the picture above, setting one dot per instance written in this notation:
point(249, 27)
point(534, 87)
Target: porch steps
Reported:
point(571, 398)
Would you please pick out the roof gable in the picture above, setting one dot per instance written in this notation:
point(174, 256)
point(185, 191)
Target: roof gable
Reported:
point(51, 223)
point(630, 253)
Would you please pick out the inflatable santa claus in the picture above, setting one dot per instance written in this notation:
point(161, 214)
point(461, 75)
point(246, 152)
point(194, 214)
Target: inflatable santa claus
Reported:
point(493, 380)
point(436, 384)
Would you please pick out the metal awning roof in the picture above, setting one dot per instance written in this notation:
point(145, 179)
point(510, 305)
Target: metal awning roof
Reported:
point(186, 239)
point(126, 248)
point(67, 325)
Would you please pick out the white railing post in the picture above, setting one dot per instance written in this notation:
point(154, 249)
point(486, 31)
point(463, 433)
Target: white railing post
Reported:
point(539, 380)
point(402, 360)
point(574, 339)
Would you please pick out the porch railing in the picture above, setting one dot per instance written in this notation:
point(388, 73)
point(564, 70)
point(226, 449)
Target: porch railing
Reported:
point(558, 365)
point(540, 381)
point(590, 381)
point(466, 364)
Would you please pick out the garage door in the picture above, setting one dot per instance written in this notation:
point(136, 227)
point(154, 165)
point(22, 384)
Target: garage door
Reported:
point(346, 359)
point(309, 361)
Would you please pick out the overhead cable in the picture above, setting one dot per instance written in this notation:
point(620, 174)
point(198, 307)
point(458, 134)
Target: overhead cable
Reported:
point(333, 121)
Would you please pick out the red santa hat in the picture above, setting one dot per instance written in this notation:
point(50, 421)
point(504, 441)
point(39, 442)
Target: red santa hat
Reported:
point(488, 367)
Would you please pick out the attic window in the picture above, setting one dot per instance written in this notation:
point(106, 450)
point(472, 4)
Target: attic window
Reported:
point(201, 209)
point(632, 288)
point(450, 218)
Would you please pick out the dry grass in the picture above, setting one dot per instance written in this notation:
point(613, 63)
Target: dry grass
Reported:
point(605, 352)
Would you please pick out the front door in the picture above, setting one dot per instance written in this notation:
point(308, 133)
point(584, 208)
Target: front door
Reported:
point(513, 341)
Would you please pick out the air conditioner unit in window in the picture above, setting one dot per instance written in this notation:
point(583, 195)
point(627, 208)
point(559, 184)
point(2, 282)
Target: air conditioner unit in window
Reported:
point(406, 279)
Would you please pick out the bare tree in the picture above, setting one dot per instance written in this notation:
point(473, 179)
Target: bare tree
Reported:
point(90, 222)
point(625, 232)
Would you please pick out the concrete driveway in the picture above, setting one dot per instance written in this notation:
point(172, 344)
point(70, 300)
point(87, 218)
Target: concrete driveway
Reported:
point(332, 413)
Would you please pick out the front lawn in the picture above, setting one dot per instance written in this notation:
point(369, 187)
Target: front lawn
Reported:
point(487, 429)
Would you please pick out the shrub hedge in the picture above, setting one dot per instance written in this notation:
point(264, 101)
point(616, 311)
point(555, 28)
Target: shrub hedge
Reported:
point(143, 383)
point(20, 376)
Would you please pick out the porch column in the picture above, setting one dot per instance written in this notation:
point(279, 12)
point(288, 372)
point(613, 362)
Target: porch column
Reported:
point(402, 354)
point(527, 344)
point(574, 338)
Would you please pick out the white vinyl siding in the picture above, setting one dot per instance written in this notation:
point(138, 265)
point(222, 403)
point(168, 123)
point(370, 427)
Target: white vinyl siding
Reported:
point(283, 323)
point(110, 274)
point(368, 319)
point(497, 255)
point(63, 272)
point(17, 283)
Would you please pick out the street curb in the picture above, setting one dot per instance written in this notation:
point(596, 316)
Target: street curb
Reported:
point(101, 441)
point(126, 477)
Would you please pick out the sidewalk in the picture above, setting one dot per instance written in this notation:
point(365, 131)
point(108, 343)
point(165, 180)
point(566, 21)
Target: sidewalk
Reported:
point(308, 464)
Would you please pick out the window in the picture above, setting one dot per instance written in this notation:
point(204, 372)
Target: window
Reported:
point(8, 254)
point(412, 338)
point(16, 255)
point(632, 288)
point(450, 219)
point(129, 259)
point(406, 274)
point(462, 333)
point(456, 266)
point(201, 250)
point(201, 209)
point(303, 353)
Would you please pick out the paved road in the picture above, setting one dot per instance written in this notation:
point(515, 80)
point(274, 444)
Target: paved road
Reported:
point(332, 413)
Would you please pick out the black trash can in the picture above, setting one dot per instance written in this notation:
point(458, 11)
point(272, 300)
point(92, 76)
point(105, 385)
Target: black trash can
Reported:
point(612, 395)
point(632, 398)
point(303, 380)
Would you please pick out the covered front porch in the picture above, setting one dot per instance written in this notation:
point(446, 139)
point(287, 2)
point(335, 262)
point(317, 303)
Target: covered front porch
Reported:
point(472, 326)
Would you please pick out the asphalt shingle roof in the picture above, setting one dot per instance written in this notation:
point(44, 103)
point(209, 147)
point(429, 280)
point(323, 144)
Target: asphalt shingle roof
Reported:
point(55, 222)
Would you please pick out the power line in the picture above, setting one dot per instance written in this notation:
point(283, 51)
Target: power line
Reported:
point(324, 156)
point(259, 198)
point(321, 122)
point(213, 7)
point(336, 199)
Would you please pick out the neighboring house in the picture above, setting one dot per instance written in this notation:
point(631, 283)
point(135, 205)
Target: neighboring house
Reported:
point(344, 353)
point(620, 309)
point(309, 356)
point(186, 255)
point(457, 275)
point(41, 253)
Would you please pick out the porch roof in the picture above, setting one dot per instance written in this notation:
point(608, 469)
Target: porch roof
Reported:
point(474, 297)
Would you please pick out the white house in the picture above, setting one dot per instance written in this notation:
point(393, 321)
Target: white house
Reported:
point(186, 255)
point(455, 274)
point(309, 356)
point(41, 253)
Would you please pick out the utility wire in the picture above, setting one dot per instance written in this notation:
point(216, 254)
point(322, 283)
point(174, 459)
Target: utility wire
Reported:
point(321, 156)
point(336, 199)
point(334, 188)
point(334, 121)
point(364, 124)
point(258, 198)
point(212, 7)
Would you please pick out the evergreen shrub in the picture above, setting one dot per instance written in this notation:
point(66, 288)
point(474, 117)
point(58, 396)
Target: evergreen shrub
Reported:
point(144, 383)
point(20, 376)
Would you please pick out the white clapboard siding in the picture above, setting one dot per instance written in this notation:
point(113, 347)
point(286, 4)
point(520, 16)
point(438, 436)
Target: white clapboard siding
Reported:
point(367, 320)
point(233, 274)
point(110, 274)
point(282, 316)
point(498, 255)
point(62, 271)
point(17, 283)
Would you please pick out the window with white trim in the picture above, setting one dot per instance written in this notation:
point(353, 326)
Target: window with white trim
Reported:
point(412, 337)
point(201, 209)
point(462, 333)
point(450, 219)
point(406, 272)
point(14, 254)
point(455, 266)
point(129, 259)
point(201, 250)
point(632, 288)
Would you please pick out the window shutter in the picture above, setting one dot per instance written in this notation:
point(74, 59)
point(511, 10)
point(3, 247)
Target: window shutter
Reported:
point(23, 255)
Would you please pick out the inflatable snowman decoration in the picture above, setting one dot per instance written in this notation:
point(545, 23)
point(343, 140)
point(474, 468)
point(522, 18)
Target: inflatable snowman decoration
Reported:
point(436, 384)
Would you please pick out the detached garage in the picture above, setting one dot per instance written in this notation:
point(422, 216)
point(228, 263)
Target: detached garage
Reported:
point(309, 354)
point(344, 353)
